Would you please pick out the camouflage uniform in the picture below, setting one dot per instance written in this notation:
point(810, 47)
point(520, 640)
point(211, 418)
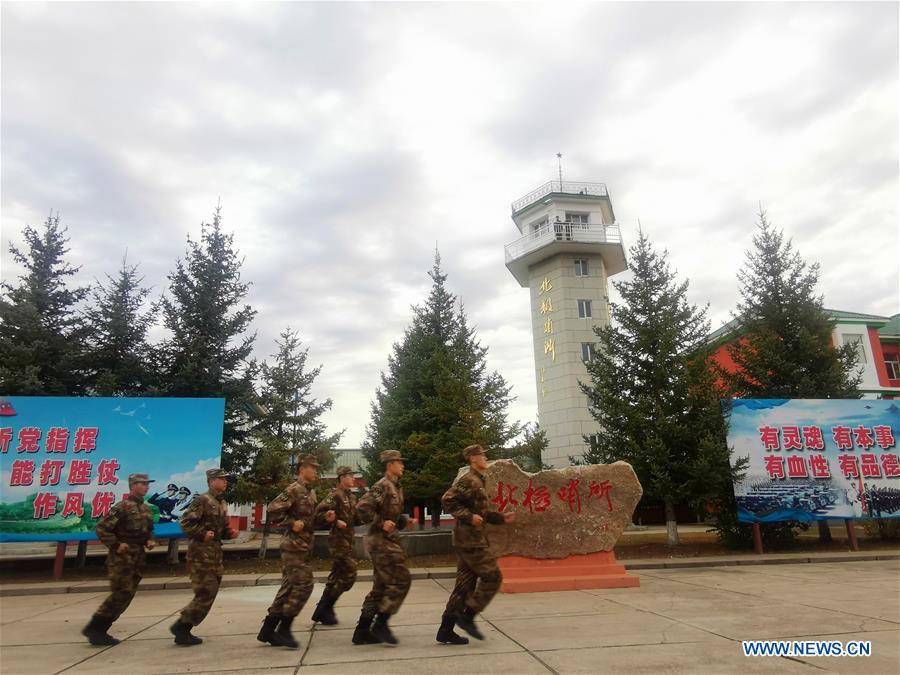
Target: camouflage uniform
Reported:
point(340, 541)
point(477, 576)
point(207, 513)
point(128, 522)
point(392, 580)
point(297, 502)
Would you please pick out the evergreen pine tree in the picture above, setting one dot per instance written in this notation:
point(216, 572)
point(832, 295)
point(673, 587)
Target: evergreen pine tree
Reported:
point(528, 452)
point(207, 353)
point(785, 348)
point(437, 397)
point(119, 357)
point(41, 332)
point(652, 393)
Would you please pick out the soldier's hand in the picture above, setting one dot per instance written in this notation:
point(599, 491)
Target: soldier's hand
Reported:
point(150, 544)
point(389, 526)
point(298, 525)
point(477, 520)
point(209, 536)
point(340, 524)
point(123, 548)
point(330, 516)
point(509, 517)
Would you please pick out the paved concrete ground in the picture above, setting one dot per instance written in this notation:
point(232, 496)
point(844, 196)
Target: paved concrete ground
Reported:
point(679, 620)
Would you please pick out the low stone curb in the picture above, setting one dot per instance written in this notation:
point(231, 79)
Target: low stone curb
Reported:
point(247, 580)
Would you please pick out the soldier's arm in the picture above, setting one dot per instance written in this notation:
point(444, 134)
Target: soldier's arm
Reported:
point(279, 509)
point(324, 506)
point(226, 526)
point(368, 508)
point(457, 501)
point(193, 522)
point(106, 528)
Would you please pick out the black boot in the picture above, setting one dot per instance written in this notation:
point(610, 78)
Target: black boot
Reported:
point(96, 633)
point(363, 633)
point(445, 633)
point(466, 620)
point(324, 613)
point(267, 632)
point(182, 633)
point(382, 631)
point(283, 634)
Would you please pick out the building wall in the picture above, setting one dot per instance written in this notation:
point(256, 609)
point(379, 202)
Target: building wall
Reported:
point(562, 407)
point(868, 369)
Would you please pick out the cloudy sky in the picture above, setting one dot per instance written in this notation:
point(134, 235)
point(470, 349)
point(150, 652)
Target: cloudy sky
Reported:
point(346, 140)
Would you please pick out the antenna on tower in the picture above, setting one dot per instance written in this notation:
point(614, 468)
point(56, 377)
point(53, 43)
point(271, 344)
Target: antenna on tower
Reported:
point(559, 162)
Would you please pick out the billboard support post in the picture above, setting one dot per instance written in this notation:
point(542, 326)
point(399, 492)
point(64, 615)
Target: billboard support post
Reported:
point(60, 559)
point(757, 538)
point(851, 534)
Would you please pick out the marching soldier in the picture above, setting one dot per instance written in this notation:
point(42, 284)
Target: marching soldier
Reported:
point(477, 576)
point(126, 530)
point(295, 509)
point(341, 505)
point(206, 524)
point(382, 506)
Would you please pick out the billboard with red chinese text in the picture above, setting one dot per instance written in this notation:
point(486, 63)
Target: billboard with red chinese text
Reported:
point(64, 461)
point(816, 459)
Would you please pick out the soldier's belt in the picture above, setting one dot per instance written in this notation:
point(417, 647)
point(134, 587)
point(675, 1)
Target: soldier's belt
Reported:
point(132, 541)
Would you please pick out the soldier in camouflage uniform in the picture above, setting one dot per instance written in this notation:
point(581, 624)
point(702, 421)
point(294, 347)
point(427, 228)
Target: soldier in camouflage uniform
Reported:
point(382, 506)
point(295, 509)
point(477, 576)
point(341, 504)
point(206, 524)
point(126, 530)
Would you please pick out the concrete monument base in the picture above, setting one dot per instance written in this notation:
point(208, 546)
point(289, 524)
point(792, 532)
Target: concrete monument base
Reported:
point(576, 572)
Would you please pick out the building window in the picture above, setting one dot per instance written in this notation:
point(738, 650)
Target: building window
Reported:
point(588, 351)
point(857, 340)
point(580, 218)
point(584, 309)
point(893, 369)
point(581, 267)
point(538, 226)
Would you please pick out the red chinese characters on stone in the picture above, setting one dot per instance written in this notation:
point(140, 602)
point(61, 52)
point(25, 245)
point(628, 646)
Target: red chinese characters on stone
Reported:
point(600, 491)
point(569, 494)
point(28, 439)
point(503, 501)
point(86, 439)
point(769, 438)
point(57, 439)
point(536, 500)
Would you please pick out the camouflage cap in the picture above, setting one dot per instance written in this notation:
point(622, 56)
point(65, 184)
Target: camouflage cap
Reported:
point(139, 478)
point(390, 456)
point(473, 450)
point(343, 471)
point(309, 460)
point(215, 473)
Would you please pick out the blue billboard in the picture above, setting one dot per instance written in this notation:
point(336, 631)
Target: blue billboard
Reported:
point(64, 461)
point(816, 459)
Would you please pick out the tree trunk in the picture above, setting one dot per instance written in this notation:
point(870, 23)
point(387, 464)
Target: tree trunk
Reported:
point(173, 551)
point(824, 531)
point(264, 543)
point(436, 515)
point(671, 524)
point(421, 514)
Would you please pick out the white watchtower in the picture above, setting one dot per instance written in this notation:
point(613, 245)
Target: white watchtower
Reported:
point(570, 244)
